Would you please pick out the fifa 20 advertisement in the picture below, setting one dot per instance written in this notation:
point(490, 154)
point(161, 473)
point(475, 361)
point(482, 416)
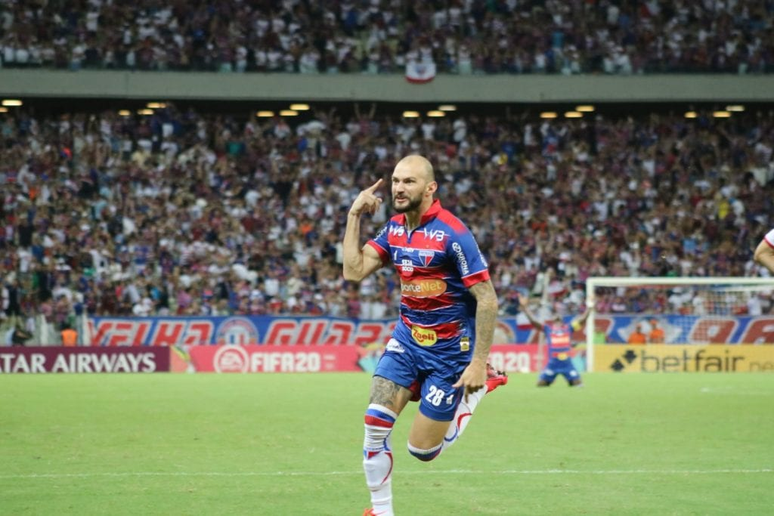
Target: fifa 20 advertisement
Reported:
point(266, 359)
point(319, 359)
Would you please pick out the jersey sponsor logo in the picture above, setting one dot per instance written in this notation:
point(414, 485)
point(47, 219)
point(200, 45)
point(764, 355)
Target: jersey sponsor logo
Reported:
point(434, 234)
point(407, 265)
point(394, 346)
point(397, 230)
point(426, 256)
point(561, 339)
point(457, 248)
point(424, 336)
point(423, 288)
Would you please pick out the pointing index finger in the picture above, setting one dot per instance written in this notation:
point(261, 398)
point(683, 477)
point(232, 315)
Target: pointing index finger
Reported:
point(373, 187)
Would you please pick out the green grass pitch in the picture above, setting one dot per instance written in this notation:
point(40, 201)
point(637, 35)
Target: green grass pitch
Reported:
point(291, 444)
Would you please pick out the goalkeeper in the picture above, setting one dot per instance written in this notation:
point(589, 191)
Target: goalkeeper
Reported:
point(559, 341)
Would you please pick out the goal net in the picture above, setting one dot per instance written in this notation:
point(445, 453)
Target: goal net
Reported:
point(653, 311)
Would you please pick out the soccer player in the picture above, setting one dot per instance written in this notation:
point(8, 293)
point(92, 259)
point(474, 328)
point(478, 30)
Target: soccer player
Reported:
point(559, 341)
point(438, 351)
point(764, 253)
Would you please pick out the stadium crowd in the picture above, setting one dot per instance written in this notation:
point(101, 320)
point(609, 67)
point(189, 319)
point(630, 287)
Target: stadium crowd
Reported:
point(183, 212)
point(383, 36)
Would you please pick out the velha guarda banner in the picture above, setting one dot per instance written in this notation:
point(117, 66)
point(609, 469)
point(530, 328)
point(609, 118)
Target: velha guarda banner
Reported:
point(282, 330)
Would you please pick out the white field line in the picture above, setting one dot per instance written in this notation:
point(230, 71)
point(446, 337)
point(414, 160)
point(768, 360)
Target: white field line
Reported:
point(525, 472)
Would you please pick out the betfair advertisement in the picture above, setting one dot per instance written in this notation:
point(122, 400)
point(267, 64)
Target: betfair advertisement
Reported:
point(665, 358)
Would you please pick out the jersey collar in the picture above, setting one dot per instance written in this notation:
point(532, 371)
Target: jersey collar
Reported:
point(429, 215)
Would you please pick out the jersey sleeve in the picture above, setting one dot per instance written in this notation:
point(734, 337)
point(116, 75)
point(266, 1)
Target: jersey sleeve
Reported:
point(769, 238)
point(381, 245)
point(468, 258)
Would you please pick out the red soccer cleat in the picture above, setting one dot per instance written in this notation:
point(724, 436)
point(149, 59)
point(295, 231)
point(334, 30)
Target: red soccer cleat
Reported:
point(494, 378)
point(371, 512)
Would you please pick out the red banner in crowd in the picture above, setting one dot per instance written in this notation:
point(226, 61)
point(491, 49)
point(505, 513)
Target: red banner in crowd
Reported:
point(420, 73)
point(84, 360)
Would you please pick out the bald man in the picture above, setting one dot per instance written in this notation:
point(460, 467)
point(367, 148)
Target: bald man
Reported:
point(438, 351)
point(764, 253)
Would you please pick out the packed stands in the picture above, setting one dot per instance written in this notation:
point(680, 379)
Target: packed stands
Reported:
point(188, 212)
point(384, 36)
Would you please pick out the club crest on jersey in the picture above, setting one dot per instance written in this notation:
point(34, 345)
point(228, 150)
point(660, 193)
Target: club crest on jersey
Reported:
point(424, 336)
point(426, 256)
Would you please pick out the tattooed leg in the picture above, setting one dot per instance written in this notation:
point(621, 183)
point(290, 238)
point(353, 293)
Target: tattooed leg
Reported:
point(389, 394)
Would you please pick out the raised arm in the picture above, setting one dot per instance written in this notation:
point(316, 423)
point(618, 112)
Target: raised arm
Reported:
point(359, 261)
point(524, 306)
point(764, 254)
point(579, 321)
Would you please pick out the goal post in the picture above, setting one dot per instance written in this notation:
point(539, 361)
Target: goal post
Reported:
point(687, 310)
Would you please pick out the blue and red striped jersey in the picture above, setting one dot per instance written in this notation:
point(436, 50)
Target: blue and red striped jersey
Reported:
point(437, 262)
point(558, 340)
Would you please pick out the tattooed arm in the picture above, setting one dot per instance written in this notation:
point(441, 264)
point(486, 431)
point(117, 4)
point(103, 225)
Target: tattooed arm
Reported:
point(474, 376)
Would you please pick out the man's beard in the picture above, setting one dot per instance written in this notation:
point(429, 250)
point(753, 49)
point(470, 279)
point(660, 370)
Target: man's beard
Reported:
point(413, 204)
